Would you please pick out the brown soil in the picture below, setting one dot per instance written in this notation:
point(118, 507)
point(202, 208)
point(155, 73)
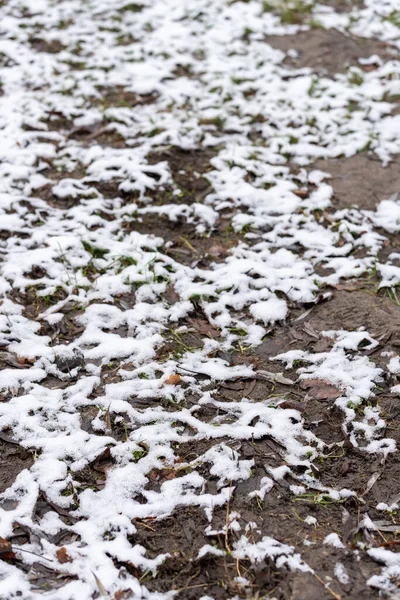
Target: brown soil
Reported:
point(327, 51)
point(183, 243)
point(281, 515)
point(188, 169)
point(361, 180)
point(41, 45)
point(342, 6)
point(13, 460)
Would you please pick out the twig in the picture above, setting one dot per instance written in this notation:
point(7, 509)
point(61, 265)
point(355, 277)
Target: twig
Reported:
point(227, 548)
point(107, 419)
point(334, 594)
point(145, 525)
point(191, 587)
point(29, 552)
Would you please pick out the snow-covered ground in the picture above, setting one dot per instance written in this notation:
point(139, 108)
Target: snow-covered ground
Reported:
point(99, 103)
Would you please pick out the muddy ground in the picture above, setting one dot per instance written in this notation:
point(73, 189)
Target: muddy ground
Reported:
point(358, 181)
point(279, 515)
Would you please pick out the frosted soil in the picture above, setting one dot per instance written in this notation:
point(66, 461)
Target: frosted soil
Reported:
point(199, 322)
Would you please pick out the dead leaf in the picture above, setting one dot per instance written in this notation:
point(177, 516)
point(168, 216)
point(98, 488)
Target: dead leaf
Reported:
point(291, 404)
point(301, 193)
point(163, 475)
point(100, 586)
point(368, 68)
point(8, 439)
point(304, 315)
point(170, 295)
point(13, 361)
point(295, 334)
point(123, 594)
point(387, 526)
point(247, 391)
point(274, 377)
point(349, 526)
point(6, 551)
point(173, 380)
point(394, 499)
point(310, 331)
point(371, 482)
point(203, 327)
point(103, 462)
point(320, 388)
point(328, 217)
point(63, 556)
point(153, 475)
point(61, 511)
point(216, 250)
point(107, 419)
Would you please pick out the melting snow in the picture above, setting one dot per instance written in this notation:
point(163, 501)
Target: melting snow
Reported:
point(85, 254)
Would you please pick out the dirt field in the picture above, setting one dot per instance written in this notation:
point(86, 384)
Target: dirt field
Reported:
point(200, 322)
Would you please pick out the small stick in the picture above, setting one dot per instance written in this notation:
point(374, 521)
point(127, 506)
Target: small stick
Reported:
point(29, 552)
point(334, 594)
point(191, 587)
point(227, 524)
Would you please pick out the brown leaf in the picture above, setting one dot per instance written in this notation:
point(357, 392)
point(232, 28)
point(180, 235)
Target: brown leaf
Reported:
point(61, 511)
point(107, 419)
point(216, 250)
point(301, 193)
point(368, 68)
point(170, 295)
point(122, 594)
point(203, 327)
point(103, 462)
point(249, 388)
point(102, 590)
point(6, 551)
point(154, 475)
point(349, 527)
point(273, 377)
point(310, 331)
point(291, 404)
point(63, 556)
point(371, 482)
point(162, 475)
point(321, 389)
point(173, 380)
point(12, 360)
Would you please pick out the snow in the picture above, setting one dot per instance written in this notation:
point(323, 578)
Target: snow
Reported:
point(269, 311)
point(341, 573)
point(281, 554)
point(333, 540)
point(70, 204)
